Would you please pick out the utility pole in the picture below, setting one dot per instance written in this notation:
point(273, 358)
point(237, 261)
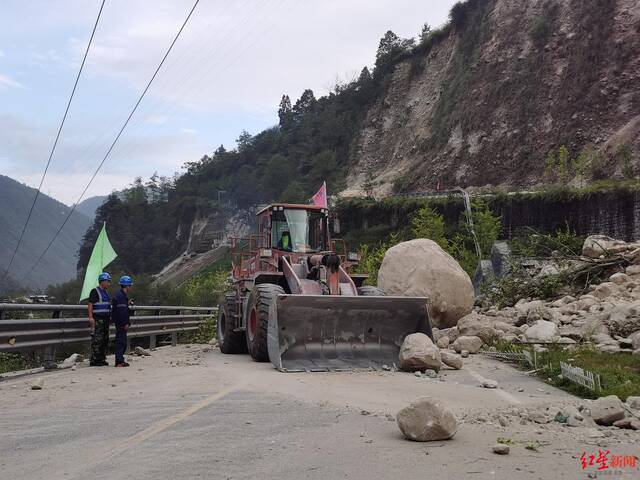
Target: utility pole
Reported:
point(219, 192)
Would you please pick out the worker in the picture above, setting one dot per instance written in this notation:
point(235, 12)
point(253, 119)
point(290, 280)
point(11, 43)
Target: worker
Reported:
point(99, 307)
point(120, 315)
point(285, 241)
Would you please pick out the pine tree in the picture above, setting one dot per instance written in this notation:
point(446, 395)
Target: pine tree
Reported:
point(550, 166)
point(425, 33)
point(285, 112)
point(579, 166)
point(304, 105)
point(563, 164)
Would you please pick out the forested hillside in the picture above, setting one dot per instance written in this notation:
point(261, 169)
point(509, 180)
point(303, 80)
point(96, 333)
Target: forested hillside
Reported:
point(59, 264)
point(509, 93)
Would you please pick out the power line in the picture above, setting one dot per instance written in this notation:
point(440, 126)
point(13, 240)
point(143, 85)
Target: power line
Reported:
point(133, 111)
point(55, 143)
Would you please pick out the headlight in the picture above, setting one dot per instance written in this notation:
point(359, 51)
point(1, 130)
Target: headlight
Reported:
point(353, 257)
point(265, 253)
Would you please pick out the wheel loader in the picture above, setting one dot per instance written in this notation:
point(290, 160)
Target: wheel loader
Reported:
point(295, 303)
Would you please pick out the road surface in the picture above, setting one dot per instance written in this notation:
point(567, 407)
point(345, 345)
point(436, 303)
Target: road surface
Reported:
point(190, 412)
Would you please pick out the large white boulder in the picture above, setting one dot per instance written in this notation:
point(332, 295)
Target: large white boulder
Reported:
point(543, 331)
point(418, 352)
point(425, 420)
point(420, 268)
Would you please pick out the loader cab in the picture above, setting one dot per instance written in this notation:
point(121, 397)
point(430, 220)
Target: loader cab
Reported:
point(295, 228)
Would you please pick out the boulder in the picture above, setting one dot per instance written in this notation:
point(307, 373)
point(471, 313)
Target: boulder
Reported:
point(633, 403)
point(542, 331)
point(483, 275)
point(488, 383)
point(70, 361)
point(501, 259)
point(465, 353)
point(418, 352)
point(451, 360)
point(619, 278)
point(596, 246)
point(426, 420)
point(605, 290)
point(624, 320)
point(420, 268)
point(479, 326)
point(606, 410)
point(443, 342)
point(632, 270)
point(142, 352)
point(628, 423)
point(37, 384)
point(470, 344)
point(501, 449)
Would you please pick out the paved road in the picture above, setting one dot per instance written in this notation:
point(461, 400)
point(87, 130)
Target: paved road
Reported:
point(185, 413)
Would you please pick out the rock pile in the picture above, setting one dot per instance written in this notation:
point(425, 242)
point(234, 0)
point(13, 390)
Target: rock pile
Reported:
point(608, 315)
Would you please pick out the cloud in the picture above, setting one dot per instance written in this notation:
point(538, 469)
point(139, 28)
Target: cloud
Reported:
point(7, 82)
point(1, 54)
point(156, 119)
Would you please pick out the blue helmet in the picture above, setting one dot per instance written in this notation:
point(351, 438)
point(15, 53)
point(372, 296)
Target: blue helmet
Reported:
point(104, 276)
point(126, 281)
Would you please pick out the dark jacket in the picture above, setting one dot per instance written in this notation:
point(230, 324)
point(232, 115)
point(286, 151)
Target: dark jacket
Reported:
point(120, 311)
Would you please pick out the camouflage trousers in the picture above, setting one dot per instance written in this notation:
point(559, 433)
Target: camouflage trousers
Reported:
point(100, 340)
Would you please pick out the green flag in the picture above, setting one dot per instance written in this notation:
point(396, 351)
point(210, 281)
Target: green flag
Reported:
point(101, 256)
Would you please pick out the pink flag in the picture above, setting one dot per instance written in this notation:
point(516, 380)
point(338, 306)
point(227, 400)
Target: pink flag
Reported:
point(320, 198)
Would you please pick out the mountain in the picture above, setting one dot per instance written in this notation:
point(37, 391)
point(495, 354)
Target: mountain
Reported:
point(510, 92)
point(505, 83)
point(59, 264)
point(89, 206)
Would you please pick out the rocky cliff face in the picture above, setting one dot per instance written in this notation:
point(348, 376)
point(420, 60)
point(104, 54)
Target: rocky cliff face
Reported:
point(510, 81)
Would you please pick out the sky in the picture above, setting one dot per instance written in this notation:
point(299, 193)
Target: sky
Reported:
point(227, 73)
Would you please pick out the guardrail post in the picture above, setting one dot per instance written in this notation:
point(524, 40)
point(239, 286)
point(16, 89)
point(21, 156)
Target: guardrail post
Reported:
point(49, 358)
point(174, 339)
point(152, 341)
point(128, 349)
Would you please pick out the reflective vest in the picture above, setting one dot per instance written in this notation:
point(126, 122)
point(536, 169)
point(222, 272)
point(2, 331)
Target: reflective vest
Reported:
point(285, 241)
point(103, 306)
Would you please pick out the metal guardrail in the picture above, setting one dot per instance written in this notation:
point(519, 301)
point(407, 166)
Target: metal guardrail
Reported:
point(33, 333)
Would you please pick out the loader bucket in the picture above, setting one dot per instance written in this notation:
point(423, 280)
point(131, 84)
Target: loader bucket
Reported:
point(324, 332)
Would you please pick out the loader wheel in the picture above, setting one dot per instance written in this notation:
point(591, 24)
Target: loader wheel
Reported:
point(369, 291)
point(230, 341)
point(261, 299)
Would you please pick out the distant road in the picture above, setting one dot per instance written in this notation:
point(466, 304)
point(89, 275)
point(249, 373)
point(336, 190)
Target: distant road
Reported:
point(219, 417)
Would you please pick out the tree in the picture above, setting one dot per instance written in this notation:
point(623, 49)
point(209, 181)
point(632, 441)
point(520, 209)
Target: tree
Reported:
point(285, 112)
point(550, 166)
point(579, 165)
point(425, 33)
point(563, 165)
point(365, 77)
point(391, 47)
point(427, 223)
point(304, 105)
point(623, 157)
point(219, 151)
point(294, 193)
point(244, 141)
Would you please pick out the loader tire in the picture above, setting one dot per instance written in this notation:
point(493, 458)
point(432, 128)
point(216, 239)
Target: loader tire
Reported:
point(230, 341)
point(370, 291)
point(262, 297)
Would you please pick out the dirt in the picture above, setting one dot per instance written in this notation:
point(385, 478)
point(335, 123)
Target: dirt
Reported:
point(493, 97)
